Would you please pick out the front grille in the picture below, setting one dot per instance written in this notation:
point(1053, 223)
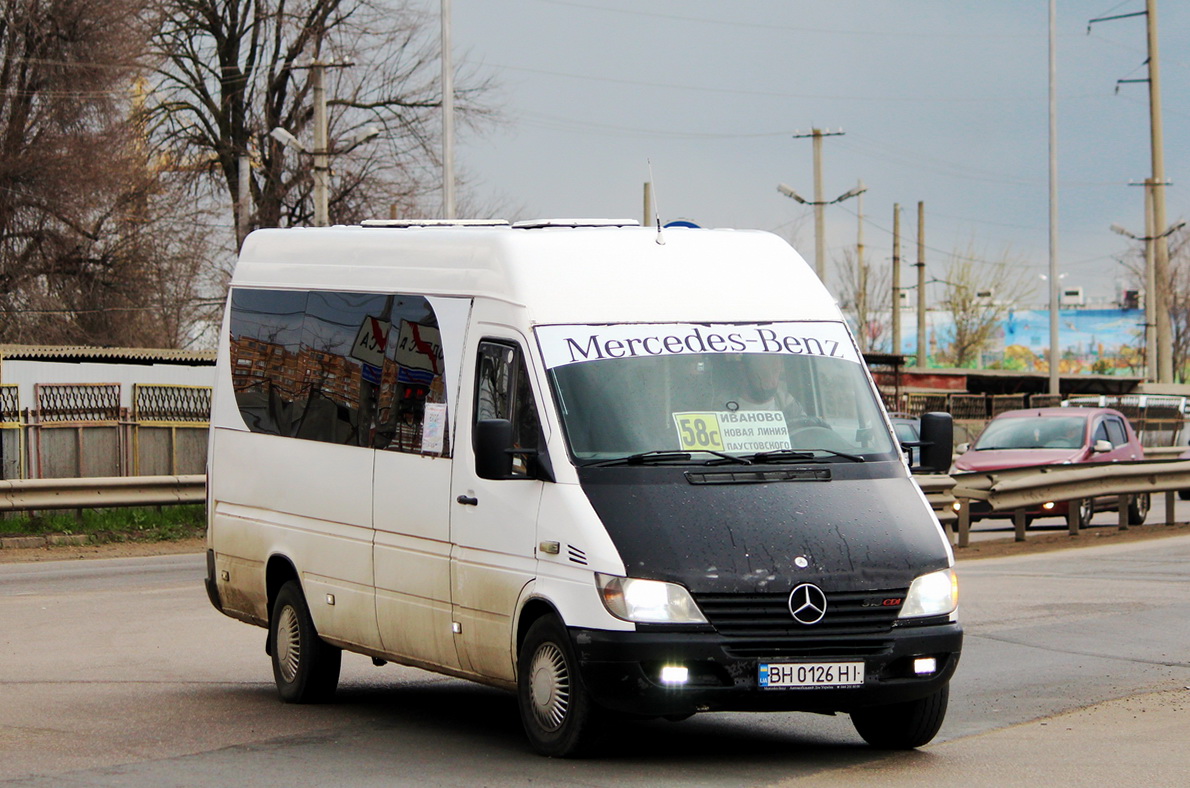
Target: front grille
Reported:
point(856, 623)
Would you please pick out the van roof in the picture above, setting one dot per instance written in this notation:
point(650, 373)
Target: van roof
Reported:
point(561, 271)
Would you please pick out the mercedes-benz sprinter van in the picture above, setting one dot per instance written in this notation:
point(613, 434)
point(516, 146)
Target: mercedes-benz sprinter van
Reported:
point(622, 472)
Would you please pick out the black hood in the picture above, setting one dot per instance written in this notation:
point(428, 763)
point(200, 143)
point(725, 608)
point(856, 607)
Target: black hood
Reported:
point(858, 526)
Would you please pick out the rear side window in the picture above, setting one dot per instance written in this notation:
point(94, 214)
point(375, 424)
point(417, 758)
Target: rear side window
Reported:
point(356, 369)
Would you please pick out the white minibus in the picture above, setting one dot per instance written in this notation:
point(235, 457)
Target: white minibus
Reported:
point(623, 472)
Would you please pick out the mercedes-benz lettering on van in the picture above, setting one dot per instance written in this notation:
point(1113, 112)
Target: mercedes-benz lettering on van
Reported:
point(618, 472)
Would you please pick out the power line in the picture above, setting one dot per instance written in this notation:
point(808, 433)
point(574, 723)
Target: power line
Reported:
point(916, 99)
point(779, 28)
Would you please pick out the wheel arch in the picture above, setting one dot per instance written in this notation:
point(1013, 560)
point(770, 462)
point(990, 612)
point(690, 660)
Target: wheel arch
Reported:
point(279, 571)
point(533, 610)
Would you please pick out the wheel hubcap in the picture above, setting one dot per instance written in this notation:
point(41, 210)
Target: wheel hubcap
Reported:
point(549, 685)
point(288, 645)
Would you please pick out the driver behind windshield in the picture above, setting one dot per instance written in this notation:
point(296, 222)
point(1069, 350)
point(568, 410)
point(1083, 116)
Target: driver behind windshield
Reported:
point(764, 388)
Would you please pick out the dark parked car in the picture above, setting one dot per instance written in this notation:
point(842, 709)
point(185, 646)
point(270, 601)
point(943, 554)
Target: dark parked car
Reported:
point(1052, 436)
point(908, 430)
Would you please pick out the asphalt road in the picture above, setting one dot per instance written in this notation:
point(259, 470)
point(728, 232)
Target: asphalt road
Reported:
point(118, 672)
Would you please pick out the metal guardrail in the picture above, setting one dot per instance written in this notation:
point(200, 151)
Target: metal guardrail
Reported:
point(101, 491)
point(1015, 489)
point(939, 490)
point(1018, 487)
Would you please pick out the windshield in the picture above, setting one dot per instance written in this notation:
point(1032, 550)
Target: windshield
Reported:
point(771, 392)
point(1033, 432)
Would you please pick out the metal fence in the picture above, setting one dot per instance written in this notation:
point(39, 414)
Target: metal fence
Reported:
point(83, 430)
point(11, 434)
point(1158, 420)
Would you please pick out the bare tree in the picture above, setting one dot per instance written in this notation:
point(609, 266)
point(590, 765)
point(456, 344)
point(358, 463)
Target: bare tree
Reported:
point(864, 293)
point(72, 185)
point(227, 72)
point(978, 296)
point(1179, 290)
point(1178, 287)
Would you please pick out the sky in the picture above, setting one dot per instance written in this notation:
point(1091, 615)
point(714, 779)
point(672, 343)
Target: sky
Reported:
point(939, 101)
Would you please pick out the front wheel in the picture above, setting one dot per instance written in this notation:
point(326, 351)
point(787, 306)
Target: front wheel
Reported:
point(305, 667)
point(557, 713)
point(1138, 509)
point(902, 726)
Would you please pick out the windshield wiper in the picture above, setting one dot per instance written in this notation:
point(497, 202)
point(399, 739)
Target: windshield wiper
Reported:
point(657, 455)
point(787, 455)
point(669, 455)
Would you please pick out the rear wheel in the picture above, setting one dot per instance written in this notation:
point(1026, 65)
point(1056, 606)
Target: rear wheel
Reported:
point(557, 713)
point(305, 667)
point(902, 726)
point(1138, 509)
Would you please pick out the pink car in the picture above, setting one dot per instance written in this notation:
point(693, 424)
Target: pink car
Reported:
point(1052, 436)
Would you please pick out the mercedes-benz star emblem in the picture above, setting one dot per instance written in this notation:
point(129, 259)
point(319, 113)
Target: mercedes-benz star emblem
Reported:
point(807, 603)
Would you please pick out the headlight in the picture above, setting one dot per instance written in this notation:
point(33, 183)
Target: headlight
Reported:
point(935, 594)
point(647, 601)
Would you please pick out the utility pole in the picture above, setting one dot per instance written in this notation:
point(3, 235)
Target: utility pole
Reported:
point(818, 203)
point(1157, 151)
point(321, 152)
point(923, 350)
point(1151, 297)
point(243, 198)
point(648, 222)
point(861, 295)
point(1055, 378)
point(321, 159)
point(896, 281)
point(1161, 250)
point(448, 119)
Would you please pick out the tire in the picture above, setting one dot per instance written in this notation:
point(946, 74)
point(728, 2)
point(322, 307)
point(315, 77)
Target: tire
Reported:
point(1138, 509)
point(902, 726)
point(1184, 495)
point(557, 712)
point(305, 667)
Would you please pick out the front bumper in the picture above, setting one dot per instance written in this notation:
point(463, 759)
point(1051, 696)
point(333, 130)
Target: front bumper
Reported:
point(621, 670)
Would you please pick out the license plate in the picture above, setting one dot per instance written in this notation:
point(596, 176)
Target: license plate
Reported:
point(802, 675)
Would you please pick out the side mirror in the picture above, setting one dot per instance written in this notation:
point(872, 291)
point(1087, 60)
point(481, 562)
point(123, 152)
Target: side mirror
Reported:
point(937, 442)
point(962, 448)
point(1102, 446)
point(493, 442)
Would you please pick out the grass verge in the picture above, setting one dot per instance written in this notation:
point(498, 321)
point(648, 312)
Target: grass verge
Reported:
point(105, 526)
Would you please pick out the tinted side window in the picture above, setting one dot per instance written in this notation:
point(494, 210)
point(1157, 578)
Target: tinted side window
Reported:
point(266, 340)
point(503, 391)
point(1115, 432)
point(357, 369)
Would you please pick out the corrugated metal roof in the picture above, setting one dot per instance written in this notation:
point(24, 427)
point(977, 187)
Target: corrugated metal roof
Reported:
point(114, 355)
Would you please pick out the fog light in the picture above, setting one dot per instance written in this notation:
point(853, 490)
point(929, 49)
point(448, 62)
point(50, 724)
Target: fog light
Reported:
point(1047, 505)
point(673, 674)
point(925, 666)
point(958, 507)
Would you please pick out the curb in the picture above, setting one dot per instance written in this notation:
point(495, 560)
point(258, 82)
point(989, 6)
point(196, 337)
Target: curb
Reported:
point(25, 542)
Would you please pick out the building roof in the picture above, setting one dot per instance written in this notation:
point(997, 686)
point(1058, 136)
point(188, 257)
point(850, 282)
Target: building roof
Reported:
point(111, 355)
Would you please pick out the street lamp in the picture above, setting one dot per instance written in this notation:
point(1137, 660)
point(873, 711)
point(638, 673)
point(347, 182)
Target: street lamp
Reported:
point(321, 153)
point(819, 243)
